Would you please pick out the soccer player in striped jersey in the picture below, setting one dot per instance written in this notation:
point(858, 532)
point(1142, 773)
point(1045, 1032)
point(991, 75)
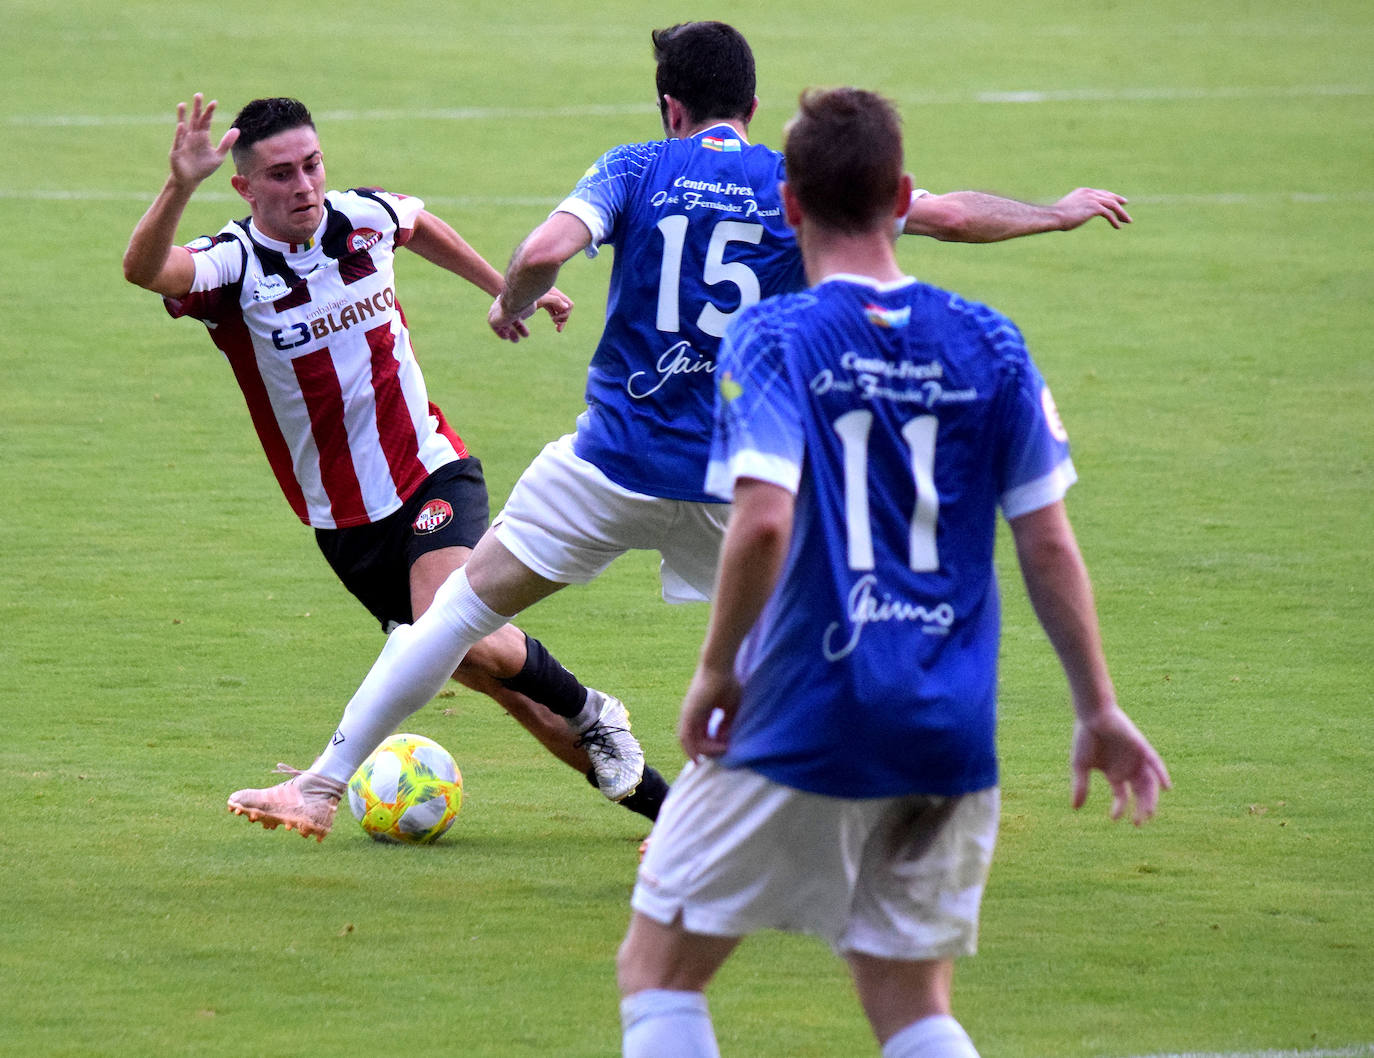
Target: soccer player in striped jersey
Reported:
point(696, 222)
point(840, 722)
point(300, 297)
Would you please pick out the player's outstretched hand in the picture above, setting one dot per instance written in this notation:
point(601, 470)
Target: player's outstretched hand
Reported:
point(703, 726)
point(1083, 204)
point(1110, 743)
point(506, 326)
point(193, 157)
point(559, 307)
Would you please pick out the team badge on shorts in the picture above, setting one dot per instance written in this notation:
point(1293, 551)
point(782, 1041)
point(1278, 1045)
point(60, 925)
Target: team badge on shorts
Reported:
point(433, 516)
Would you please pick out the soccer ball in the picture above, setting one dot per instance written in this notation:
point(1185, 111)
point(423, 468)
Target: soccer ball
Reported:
point(409, 790)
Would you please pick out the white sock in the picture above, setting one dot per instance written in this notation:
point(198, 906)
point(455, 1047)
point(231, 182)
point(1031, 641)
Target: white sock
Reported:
point(657, 1023)
point(590, 714)
point(934, 1037)
point(413, 667)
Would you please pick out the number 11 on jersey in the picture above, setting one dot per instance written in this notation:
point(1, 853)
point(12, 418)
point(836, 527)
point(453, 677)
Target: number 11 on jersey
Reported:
point(853, 429)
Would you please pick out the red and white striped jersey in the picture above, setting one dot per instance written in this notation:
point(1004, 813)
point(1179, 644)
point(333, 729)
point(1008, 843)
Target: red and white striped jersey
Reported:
point(319, 345)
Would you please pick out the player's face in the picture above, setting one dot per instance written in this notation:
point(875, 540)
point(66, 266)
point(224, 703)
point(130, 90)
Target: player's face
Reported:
point(285, 185)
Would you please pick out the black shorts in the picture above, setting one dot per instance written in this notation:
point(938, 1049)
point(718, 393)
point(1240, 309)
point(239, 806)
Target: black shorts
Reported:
point(450, 509)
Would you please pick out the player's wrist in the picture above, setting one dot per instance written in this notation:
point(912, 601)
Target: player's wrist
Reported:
point(513, 314)
point(182, 185)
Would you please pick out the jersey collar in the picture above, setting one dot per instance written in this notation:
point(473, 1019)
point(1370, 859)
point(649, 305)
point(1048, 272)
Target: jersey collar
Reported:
point(290, 248)
point(867, 281)
point(722, 137)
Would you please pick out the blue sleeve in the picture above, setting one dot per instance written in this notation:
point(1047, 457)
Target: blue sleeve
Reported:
point(758, 431)
point(600, 197)
point(1036, 469)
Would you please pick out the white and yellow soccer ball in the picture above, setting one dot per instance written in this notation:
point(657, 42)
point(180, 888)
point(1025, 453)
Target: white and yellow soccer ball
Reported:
point(409, 790)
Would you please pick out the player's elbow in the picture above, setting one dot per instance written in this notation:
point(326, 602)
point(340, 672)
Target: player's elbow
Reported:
point(171, 277)
point(540, 256)
point(552, 244)
point(764, 529)
point(946, 218)
point(136, 272)
point(1044, 538)
point(142, 271)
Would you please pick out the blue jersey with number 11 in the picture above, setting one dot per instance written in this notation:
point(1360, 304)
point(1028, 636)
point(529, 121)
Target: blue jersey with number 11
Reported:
point(699, 236)
point(902, 417)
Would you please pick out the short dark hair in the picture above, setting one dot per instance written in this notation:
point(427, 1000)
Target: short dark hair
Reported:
point(708, 67)
point(266, 117)
point(843, 150)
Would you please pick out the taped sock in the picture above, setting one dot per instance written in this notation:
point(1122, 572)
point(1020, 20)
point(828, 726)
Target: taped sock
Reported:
point(658, 1023)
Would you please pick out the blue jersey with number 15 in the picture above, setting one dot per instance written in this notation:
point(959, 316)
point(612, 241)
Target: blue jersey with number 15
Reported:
point(699, 236)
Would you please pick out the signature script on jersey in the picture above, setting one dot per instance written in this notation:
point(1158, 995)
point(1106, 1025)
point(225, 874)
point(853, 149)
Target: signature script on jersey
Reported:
point(678, 359)
point(866, 608)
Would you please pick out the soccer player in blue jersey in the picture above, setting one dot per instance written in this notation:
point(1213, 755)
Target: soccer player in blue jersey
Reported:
point(696, 222)
point(840, 721)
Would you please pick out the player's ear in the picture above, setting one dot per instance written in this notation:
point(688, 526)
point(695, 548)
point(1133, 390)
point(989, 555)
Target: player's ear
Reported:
point(239, 183)
point(753, 109)
point(791, 208)
point(675, 117)
point(902, 206)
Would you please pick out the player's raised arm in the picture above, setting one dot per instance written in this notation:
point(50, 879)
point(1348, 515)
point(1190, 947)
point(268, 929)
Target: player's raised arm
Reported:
point(974, 216)
point(152, 260)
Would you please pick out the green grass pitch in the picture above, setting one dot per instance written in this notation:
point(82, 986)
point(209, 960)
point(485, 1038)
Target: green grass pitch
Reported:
point(170, 632)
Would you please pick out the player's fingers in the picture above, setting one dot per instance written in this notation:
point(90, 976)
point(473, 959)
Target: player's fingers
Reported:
point(1113, 207)
point(1160, 770)
point(1080, 787)
point(1146, 789)
point(1120, 799)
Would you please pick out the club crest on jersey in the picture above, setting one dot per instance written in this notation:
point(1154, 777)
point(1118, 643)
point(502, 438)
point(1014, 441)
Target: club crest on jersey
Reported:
point(362, 239)
point(1056, 424)
point(730, 390)
point(271, 288)
point(433, 516)
point(881, 317)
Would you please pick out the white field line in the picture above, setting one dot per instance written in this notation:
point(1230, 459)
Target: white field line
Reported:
point(587, 110)
point(1359, 1050)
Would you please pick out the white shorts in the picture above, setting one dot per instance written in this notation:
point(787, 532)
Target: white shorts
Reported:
point(567, 521)
point(897, 878)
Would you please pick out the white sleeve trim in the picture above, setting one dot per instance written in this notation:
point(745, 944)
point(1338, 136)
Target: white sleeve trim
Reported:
point(1039, 493)
point(587, 214)
point(899, 223)
point(775, 470)
point(218, 266)
point(407, 208)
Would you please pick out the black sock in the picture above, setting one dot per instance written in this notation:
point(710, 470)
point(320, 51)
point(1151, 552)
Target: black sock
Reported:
point(544, 679)
point(648, 796)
